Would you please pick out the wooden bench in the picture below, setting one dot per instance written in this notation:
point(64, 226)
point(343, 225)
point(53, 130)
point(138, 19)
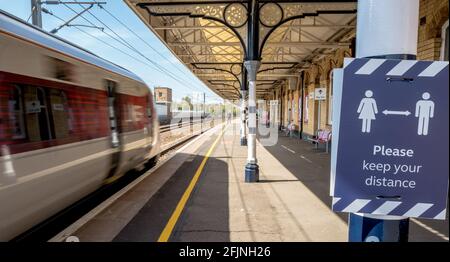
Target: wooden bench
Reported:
point(322, 137)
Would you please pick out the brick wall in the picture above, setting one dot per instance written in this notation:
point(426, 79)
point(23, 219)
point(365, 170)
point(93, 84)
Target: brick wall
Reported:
point(432, 16)
point(163, 94)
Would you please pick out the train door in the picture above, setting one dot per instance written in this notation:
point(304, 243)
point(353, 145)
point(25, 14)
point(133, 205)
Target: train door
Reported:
point(114, 120)
point(43, 116)
point(112, 113)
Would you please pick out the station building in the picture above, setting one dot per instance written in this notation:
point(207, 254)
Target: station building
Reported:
point(163, 103)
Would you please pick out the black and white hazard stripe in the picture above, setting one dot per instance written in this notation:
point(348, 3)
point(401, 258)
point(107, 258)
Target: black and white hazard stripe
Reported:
point(434, 67)
point(388, 207)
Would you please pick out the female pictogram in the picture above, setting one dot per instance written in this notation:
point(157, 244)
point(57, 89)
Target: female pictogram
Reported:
point(367, 110)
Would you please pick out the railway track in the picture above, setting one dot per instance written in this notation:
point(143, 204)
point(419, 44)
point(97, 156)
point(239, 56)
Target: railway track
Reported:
point(182, 124)
point(57, 223)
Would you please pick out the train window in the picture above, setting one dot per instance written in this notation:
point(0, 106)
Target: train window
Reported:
point(69, 112)
point(37, 113)
point(59, 113)
point(135, 110)
point(12, 127)
point(16, 113)
point(132, 112)
point(35, 117)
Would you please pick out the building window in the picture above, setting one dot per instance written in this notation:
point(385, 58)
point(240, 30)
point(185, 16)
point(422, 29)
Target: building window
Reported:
point(160, 94)
point(445, 43)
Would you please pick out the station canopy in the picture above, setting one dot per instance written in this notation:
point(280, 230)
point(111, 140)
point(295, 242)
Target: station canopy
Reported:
point(210, 37)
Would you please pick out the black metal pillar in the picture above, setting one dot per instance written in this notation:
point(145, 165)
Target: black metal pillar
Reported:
point(252, 63)
point(243, 110)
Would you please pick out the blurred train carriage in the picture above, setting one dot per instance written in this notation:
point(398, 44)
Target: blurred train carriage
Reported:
point(69, 122)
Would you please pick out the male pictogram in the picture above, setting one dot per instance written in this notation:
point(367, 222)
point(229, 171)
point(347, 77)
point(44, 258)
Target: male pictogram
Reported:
point(424, 111)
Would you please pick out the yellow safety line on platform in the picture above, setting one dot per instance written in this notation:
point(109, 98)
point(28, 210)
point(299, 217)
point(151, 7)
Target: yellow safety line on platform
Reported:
point(165, 234)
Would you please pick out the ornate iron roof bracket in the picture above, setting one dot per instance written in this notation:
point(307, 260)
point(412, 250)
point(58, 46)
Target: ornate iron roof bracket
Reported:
point(251, 21)
point(294, 64)
point(276, 25)
point(236, 76)
point(205, 10)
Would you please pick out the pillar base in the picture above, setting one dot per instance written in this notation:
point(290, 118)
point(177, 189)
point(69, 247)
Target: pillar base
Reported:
point(251, 173)
point(369, 229)
point(243, 141)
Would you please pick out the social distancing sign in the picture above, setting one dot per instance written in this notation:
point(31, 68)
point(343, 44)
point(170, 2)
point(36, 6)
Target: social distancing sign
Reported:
point(392, 153)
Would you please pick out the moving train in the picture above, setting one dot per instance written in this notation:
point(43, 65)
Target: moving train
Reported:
point(69, 123)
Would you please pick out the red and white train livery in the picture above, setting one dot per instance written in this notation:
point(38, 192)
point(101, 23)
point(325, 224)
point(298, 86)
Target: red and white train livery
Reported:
point(69, 122)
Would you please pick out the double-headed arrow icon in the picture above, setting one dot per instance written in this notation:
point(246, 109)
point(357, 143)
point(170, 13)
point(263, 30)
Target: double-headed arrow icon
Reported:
point(389, 112)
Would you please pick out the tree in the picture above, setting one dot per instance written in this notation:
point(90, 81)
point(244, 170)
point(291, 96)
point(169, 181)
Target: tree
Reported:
point(188, 100)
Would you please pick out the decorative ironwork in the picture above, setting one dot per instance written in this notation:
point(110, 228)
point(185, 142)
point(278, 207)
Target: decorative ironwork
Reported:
point(236, 69)
point(215, 11)
point(291, 11)
point(270, 14)
point(235, 85)
point(235, 15)
point(300, 9)
point(278, 68)
point(231, 14)
point(192, 9)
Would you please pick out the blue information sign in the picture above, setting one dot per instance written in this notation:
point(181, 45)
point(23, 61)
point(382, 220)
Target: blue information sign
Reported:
point(393, 144)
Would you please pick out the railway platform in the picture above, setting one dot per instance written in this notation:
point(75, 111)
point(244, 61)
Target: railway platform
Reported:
point(199, 194)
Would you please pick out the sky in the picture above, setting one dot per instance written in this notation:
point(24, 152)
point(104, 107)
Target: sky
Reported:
point(181, 80)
